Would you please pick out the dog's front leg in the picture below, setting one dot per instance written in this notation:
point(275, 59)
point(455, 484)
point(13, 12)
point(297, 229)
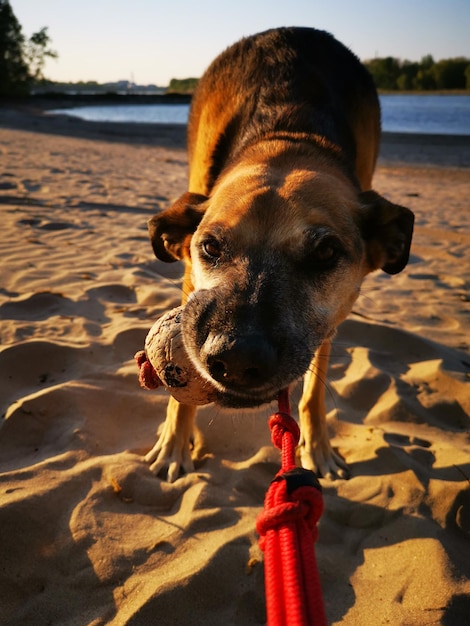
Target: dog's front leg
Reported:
point(315, 449)
point(172, 449)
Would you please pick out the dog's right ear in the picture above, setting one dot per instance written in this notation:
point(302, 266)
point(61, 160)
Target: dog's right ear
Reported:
point(171, 230)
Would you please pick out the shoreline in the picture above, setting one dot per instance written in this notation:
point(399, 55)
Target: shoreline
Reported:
point(396, 148)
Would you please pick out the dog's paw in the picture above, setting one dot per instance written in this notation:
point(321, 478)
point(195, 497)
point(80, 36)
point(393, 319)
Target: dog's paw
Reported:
point(171, 455)
point(320, 457)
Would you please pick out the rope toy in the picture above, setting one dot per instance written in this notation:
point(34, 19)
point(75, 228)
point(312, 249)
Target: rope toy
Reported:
point(288, 529)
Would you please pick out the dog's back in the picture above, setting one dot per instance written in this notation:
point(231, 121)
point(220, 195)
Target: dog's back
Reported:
point(297, 80)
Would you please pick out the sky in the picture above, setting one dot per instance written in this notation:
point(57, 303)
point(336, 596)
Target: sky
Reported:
point(152, 41)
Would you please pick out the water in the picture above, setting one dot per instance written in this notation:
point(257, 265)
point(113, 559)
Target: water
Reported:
point(446, 115)
point(142, 113)
point(442, 115)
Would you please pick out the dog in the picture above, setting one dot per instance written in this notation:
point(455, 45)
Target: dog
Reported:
point(277, 230)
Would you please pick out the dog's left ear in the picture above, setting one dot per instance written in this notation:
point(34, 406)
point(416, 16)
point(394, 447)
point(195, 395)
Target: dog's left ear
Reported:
point(387, 229)
point(171, 230)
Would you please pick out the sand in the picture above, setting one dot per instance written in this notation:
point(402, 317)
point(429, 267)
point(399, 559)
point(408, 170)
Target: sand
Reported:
point(88, 534)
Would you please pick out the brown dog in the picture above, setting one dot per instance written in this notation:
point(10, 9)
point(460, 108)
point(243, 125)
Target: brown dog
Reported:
point(278, 228)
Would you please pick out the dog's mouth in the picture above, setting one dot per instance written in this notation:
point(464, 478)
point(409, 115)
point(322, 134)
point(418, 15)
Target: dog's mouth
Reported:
point(246, 359)
point(236, 395)
point(255, 383)
point(234, 399)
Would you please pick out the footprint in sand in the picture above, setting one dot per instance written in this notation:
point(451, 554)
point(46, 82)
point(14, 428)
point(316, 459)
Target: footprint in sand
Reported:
point(39, 222)
point(413, 447)
point(7, 185)
point(32, 366)
point(57, 226)
point(403, 441)
point(43, 305)
point(39, 306)
point(112, 293)
point(390, 373)
point(29, 221)
point(34, 187)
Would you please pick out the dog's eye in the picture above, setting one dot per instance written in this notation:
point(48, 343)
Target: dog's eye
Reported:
point(211, 249)
point(326, 251)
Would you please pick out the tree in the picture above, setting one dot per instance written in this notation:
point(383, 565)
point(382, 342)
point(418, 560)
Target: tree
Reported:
point(424, 80)
point(390, 73)
point(21, 60)
point(450, 73)
point(427, 62)
point(37, 50)
point(182, 85)
point(385, 72)
point(408, 72)
point(14, 72)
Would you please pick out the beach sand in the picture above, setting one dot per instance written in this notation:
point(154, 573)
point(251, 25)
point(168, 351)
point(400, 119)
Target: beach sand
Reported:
point(88, 534)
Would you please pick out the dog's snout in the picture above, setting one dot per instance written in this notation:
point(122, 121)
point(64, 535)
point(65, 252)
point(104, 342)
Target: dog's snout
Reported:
point(249, 361)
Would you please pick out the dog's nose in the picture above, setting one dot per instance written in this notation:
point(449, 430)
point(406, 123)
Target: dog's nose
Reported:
point(249, 362)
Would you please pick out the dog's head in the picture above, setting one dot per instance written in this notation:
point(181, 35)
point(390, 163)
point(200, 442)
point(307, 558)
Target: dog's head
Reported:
point(278, 257)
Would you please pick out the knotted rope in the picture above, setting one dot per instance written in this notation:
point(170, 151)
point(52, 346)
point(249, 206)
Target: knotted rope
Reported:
point(288, 529)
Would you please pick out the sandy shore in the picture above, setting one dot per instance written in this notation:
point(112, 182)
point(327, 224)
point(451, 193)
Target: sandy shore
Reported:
point(89, 535)
point(435, 150)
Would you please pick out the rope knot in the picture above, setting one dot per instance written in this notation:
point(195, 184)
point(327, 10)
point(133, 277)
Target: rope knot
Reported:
point(298, 496)
point(276, 517)
point(311, 502)
point(281, 423)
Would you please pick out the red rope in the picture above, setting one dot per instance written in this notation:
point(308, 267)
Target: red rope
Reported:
point(288, 529)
